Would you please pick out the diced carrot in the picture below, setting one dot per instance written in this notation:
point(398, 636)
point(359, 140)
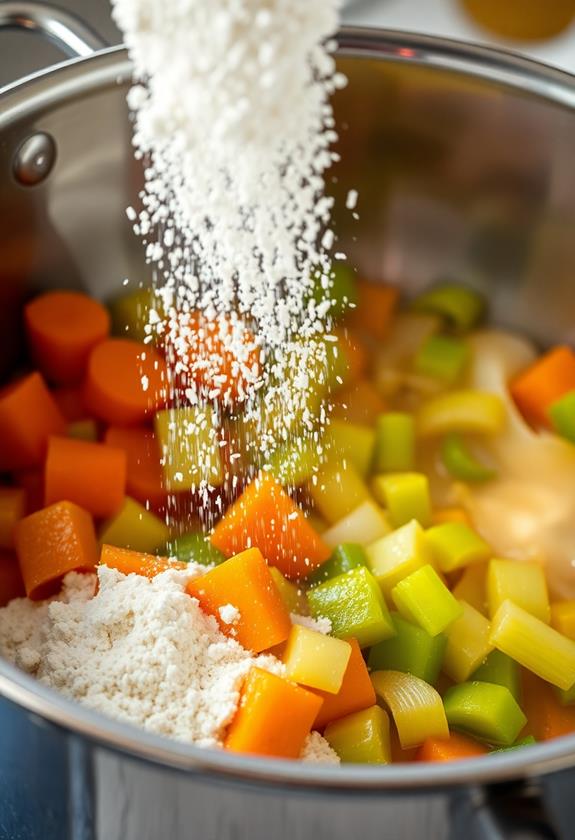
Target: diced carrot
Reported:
point(399, 754)
point(356, 692)
point(62, 328)
point(274, 717)
point(376, 305)
point(145, 477)
point(451, 515)
point(70, 401)
point(52, 542)
point(453, 748)
point(544, 382)
point(12, 508)
point(32, 482)
point(546, 717)
point(93, 475)
point(136, 562)
point(28, 416)
point(355, 352)
point(360, 403)
point(11, 583)
point(266, 517)
point(245, 582)
point(126, 381)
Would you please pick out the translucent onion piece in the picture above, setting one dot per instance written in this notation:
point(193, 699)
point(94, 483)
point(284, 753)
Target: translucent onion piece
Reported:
point(416, 707)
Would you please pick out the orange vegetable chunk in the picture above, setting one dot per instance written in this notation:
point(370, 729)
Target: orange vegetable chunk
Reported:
point(356, 692)
point(545, 381)
point(360, 403)
point(245, 582)
point(454, 748)
point(145, 477)
point(355, 353)
point(126, 381)
point(62, 328)
point(546, 717)
point(12, 508)
point(136, 562)
point(93, 475)
point(70, 401)
point(32, 483)
point(266, 517)
point(28, 416)
point(274, 717)
point(11, 583)
point(52, 542)
point(376, 305)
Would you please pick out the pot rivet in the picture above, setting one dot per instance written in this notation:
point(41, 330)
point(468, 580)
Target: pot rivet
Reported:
point(34, 159)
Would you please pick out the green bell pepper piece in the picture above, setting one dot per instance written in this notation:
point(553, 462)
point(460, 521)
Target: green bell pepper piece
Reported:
point(484, 710)
point(411, 650)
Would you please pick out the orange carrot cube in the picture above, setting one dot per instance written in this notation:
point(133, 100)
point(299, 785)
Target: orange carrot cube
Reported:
point(376, 305)
point(28, 416)
point(356, 692)
point(544, 382)
point(136, 562)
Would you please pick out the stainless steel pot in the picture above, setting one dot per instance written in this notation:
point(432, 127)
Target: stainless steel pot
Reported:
point(463, 160)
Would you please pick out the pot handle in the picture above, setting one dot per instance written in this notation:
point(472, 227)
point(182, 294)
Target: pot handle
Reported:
point(68, 32)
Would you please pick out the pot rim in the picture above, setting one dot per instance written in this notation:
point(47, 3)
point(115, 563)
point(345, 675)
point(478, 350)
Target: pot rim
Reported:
point(70, 80)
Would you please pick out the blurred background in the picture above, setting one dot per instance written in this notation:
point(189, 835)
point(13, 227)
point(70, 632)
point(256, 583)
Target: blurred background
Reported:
point(543, 29)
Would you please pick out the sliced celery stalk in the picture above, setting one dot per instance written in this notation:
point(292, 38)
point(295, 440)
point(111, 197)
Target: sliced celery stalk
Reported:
point(296, 462)
point(294, 598)
point(411, 650)
point(454, 545)
point(415, 706)
point(195, 547)
point(394, 442)
point(189, 445)
point(500, 669)
point(562, 414)
point(355, 606)
point(521, 582)
point(337, 491)
point(316, 660)
point(423, 598)
point(352, 442)
point(534, 644)
point(460, 306)
point(406, 496)
point(461, 463)
point(461, 411)
point(528, 741)
point(397, 555)
point(467, 644)
point(337, 285)
point(442, 357)
point(344, 558)
point(362, 737)
point(134, 527)
point(83, 430)
point(485, 710)
point(367, 523)
point(471, 587)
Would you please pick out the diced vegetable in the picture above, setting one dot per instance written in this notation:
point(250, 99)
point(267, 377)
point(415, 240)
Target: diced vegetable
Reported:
point(562, 415)
point(358, 403)
point(563, 618)
point(395, 556)
point(442, 357)
point(467, 644)
point(455, 545)
point(316, 660)
point(32, 482)
point(461, 411)
point(351, 442)
point(471, 587)
point(394, 442)
point(534, 644)
point(295, 463)
point(415, 706)
point(136, 562)
point(354, 352)
point(376, 305)
point(144, 478)
point(528, 741)
point(28, 416)
point(355, 694)
point(411, 650)
point(548, 379)
point(484, 710)
point(11, 583)
point(500, 669)
point(274, 717)
point(361, 737)
point(406, 496)
point(130, 313)
point(462, 308)
point(70, 400)
point(93, 475)
point(265, 516)
point(354, 604)
point(461, 463)
point(134, 527)
point(293, 596)
point(424, 599)
point(245, 582)
point(83, 430)
point(454, 748)
point(521, 582)
point(188, 441)
point(12, 508)
point(338, 491)
point(363, 525)
point(546, 717)
point(52, 542)
point(344, 558)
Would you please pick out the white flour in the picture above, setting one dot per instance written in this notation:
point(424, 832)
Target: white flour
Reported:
point(139, 650)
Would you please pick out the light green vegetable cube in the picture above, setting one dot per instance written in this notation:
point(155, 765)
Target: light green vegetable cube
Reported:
point(351, 442)
point(134, 527)
point(562, 414)
point(500, 669)
point(194, 547)
point(344, 558)
point(394, 442)
point(362, 737)
point(442, 357)
point(455, 545)
point(295, 463)
point(406, 497)
point(461, 307)
point(468, 644)
point(411, 650)
point(364, 525)
point(484, 710)
point(188, 440)
point(423, 598)
point(397, 555)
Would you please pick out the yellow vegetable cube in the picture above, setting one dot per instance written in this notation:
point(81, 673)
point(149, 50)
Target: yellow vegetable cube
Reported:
point(188, 439)
point(520, 582)
point(397, 555)
point(337, 491)
point(468, 644)
point(363, 525)
point(416, 707)
point(316, 660)
point(563, 618)
point(472, 587)
point(136, 528)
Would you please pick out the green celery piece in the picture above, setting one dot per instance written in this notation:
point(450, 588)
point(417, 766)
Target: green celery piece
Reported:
point(528, 741)
point(566, 696)
point(461, 307)
point(424, 599)
point(344, 558)
point(394, 442)
point(455, 544)
point(406, 496)
point(562, 414)
point(362, 737)
point(355, 606)
point(395, 556)
point(442, 357)
point(460, 463)
point(352, 441)
point(500, 669)
point(294, 463)
point(341, 289)
point(484, 710)
point(194, 547)
point(411, 650)
point(130, 313)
